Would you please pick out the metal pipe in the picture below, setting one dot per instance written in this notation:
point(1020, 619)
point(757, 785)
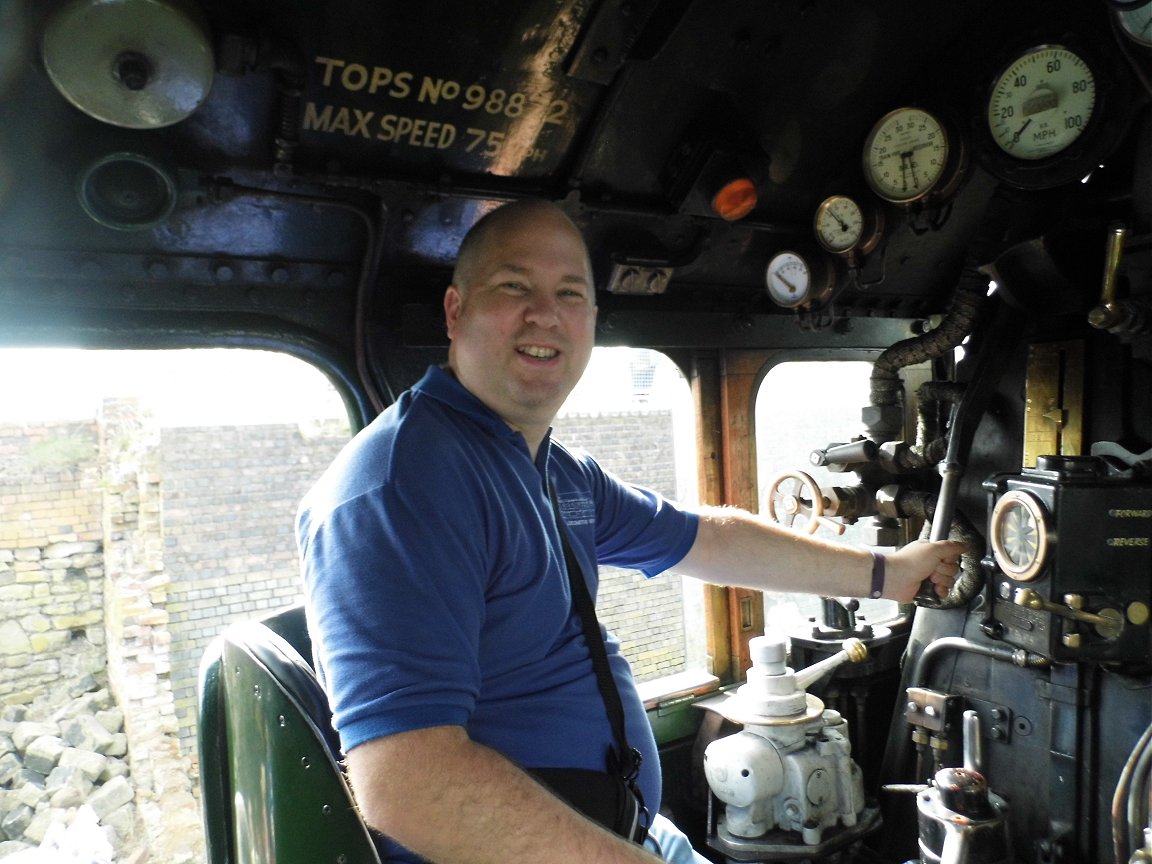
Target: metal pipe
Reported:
point(1015, 656)
point(1122, 827)
point(973, 743)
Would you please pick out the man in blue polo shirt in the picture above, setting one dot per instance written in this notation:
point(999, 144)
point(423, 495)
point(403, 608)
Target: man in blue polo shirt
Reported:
point(438, 595)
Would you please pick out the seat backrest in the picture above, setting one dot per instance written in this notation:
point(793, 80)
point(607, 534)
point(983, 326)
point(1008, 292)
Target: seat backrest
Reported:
point(272, 787)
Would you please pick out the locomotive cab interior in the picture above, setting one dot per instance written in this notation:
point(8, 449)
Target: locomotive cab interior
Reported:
point(959, 194)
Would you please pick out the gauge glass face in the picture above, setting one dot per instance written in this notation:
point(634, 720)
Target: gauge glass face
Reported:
point(839, 224)
point(1042, 103)
point(1019, 535)
point(788, 279)
point(1137, 23)
point(905, 155)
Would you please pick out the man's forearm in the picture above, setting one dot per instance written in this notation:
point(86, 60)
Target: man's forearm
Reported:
point(451, 800)
point(734, 547)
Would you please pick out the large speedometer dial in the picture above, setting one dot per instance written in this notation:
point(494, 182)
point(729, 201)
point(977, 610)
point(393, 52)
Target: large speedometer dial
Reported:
point(1041, 103)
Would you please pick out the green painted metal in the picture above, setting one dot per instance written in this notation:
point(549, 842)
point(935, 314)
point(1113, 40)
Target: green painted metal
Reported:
point(275, 792)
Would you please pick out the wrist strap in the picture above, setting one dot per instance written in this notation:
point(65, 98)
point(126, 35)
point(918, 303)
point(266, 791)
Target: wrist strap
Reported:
point(878, 562)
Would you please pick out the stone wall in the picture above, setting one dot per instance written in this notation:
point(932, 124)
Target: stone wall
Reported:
point(125, 548)
point(51, 561)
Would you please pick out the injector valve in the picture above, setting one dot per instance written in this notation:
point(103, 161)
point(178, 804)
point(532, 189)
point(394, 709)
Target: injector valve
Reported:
point(790, 769)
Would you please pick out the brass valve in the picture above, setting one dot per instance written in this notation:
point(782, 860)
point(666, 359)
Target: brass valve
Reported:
point(1108, 622)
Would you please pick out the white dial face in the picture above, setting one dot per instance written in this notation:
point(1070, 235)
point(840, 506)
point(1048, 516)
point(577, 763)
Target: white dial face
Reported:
point(1041, 103)
point(789, 280)
point(1137, 23)
point(1019, 535)
point(839, 224)
point(905, 155)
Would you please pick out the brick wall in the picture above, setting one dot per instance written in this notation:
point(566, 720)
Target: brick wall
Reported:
point(222, 547)
point(646, 614)
point(230, 496)
point(51, 566)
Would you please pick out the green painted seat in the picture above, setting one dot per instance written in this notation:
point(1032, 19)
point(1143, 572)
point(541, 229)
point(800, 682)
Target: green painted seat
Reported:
point(272, 786)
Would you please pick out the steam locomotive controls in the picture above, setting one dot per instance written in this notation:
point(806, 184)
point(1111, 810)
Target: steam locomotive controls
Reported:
point(786, 783)
point(1108, 312)
point(1108, 623)
point(1066, 537)
point(1041, 103)
point(1019, 533)
point(795, 281)
point(796, 501)
point(844, 227)
point(906, 154)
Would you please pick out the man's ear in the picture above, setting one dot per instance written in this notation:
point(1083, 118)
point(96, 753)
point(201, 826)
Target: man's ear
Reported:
point(452, 302)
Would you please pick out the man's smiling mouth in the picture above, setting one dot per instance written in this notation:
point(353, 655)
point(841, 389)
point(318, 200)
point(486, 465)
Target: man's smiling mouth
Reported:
point(539, 352)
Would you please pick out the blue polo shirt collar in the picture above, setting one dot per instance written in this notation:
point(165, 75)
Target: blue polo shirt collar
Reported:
point(440, 384)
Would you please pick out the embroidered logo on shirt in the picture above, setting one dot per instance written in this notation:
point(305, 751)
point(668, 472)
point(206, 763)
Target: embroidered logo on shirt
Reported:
point(576, 508)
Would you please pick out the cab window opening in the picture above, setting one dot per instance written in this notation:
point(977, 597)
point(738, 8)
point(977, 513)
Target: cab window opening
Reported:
point(800, 403)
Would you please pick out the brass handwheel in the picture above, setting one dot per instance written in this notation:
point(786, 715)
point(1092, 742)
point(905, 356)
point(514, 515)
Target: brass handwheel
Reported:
point(796, 496)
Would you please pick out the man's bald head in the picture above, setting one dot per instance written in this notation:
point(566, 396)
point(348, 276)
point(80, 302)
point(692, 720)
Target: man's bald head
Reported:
point(507, 217)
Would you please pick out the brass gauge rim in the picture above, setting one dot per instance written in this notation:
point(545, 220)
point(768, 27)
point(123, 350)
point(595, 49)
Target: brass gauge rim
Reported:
point(864, 237)
point(942, 179)
point(1000, 534)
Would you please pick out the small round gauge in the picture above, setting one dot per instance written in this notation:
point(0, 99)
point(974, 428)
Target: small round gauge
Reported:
point(789, 280)
point(1041, 103)
point(843, 227)
point(1136, 22)
point(905, 155)
point(839, 224)
point(1019, 533)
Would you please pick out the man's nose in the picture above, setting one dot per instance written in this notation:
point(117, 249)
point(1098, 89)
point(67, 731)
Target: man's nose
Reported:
point(543, 310)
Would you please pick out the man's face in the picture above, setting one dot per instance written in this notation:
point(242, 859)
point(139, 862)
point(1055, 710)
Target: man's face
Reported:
point(522, 329)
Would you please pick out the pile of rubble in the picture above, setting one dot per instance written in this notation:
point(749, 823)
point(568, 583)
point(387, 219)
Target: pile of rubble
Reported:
point(56, 757)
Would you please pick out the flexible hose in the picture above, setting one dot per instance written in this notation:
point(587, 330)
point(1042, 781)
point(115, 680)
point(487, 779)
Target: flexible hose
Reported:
point(1127, 789)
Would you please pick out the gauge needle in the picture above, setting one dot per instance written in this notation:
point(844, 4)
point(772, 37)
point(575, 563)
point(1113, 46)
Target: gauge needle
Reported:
point(791, 288)
point(1020, 131)
point(908, 167)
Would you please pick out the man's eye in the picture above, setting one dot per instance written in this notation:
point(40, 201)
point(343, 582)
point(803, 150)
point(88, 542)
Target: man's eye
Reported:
point(513, 287)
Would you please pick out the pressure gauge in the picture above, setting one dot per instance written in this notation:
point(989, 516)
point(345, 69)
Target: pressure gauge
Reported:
point(1136, 22)
point(794, 280)
point(1019, 534)
point(906, 155)
point(789, 280)
point(1041, 103)
point(843, 227)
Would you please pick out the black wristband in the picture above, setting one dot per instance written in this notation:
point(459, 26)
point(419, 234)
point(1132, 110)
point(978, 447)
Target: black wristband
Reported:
point(877, 574)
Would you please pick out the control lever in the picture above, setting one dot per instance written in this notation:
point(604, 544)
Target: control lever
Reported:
point(1108, 313)
point(950, 473)
point(1109, 623)
point(961, 821)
